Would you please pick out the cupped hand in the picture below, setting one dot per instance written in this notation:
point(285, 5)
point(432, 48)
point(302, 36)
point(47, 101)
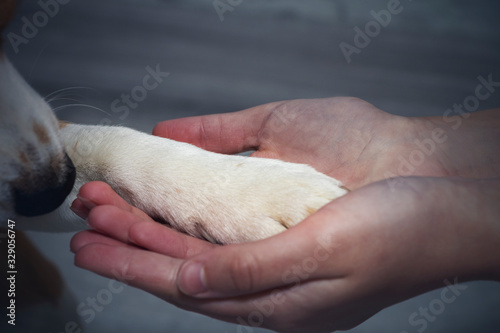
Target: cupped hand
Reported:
point(365, 251)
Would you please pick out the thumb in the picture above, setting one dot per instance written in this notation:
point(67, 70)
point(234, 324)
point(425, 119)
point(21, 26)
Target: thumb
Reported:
point(286, 259)
point(226, 133)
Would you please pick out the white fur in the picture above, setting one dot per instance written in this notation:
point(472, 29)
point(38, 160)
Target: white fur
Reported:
point(222, 198)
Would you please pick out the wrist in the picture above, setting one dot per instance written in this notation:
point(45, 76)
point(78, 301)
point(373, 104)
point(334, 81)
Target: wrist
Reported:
point(457, 233)
point(463, 146)
point(416, 147)
point(485, 220)
point(471, 216)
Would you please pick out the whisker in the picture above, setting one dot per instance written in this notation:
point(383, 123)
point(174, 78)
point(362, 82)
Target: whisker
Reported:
point(66, 95)
point(63, 99)
point(80, 105)
point(36, 60)
point(66, 89)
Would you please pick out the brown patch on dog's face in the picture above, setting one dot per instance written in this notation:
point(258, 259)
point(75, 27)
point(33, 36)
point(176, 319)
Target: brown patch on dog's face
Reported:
point(23, 158)
point(41, 133)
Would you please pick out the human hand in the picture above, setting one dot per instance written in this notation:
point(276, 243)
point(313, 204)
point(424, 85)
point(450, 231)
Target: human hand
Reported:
point(332, 271)
point(350, 139)
point(345, 138)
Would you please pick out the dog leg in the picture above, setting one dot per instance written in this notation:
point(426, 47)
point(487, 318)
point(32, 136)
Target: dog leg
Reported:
point(221, 198)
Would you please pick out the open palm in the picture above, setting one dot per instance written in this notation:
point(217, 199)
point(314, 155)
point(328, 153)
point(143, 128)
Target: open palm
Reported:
point(346, 138)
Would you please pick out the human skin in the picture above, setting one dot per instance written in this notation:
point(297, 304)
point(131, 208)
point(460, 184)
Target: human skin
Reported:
point(385, 241)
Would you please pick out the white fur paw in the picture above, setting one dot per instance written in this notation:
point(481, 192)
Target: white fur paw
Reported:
point(233, 199)
point(221, 198)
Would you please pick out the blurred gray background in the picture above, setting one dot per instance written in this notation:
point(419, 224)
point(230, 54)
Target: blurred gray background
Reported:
point(90, 53)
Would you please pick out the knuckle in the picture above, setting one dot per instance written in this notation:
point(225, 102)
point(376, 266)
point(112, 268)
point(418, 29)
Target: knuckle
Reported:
point(243, 273)
point(125, 273)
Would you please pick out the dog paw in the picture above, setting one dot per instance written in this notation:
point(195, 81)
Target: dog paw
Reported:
point(229, 199)
point(256, 198)
point(221, 198)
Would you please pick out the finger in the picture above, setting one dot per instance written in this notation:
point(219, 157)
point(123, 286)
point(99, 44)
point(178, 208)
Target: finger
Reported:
point(157, 274)
point(159, 238)
point(291, 257)
point(227, 133)
point(79, 208)
point(132, 229)
point(99, 193)
point(86, 237)
point(149, 271)
point(113, 221)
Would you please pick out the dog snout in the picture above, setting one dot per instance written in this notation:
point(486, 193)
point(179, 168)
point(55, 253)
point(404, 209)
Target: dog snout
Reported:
point(44, 192)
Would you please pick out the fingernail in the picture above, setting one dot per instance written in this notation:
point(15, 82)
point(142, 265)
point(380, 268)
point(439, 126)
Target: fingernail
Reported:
point(192, 279)
point(89, 204)
point(81, 213)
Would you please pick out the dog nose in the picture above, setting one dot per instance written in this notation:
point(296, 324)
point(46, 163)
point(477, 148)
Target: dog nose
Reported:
point(48, 196)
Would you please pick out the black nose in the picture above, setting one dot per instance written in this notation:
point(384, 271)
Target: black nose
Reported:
point(50, 193)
